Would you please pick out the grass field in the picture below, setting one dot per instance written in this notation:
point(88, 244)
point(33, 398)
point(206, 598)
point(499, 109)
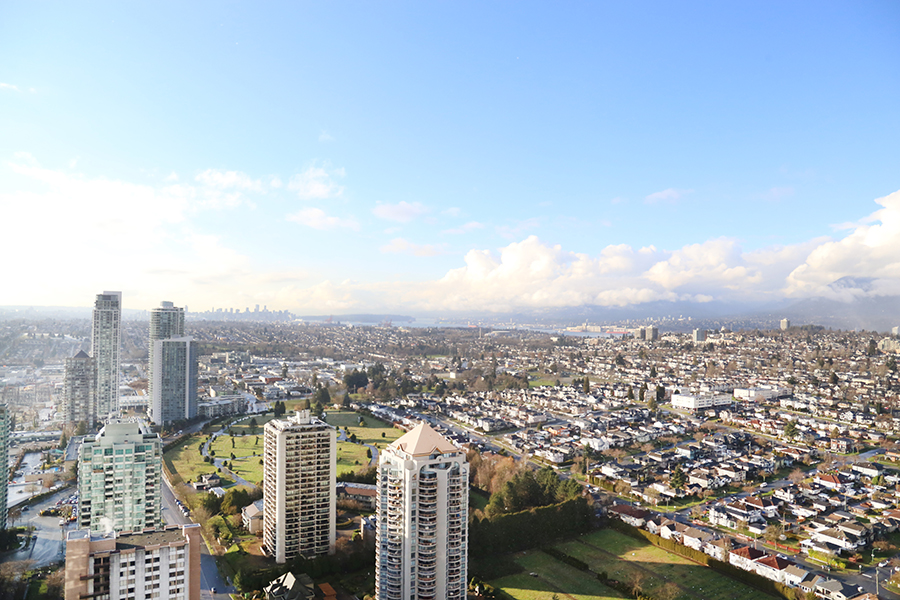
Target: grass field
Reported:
point(351, 457)
point(621, 556)
point(186, 459)
point(375, 432)
point(551, 577)
point(248, 452)
point(243, 427)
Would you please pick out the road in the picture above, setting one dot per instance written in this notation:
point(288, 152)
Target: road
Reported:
point(49, 546)
point(209, 571)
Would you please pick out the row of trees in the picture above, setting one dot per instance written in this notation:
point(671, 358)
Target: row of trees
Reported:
point(528, 489)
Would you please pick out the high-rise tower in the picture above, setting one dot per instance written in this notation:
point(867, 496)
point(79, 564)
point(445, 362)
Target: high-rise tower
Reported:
point(422, 519)
point(299, 487)
point(81, 390)
point(106, 338)
point(173, 367)
point(120, 478)
point(4, 464)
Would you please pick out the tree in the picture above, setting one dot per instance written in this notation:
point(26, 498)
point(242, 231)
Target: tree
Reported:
point(63, 441)
point(670, 591)
point(790, 430)
point(630, 393)
point(81, 428)
point(677, 479)
point(773, 532)
point(636, 582)
point(253, 424)
point(796, 476)
point(587, 385)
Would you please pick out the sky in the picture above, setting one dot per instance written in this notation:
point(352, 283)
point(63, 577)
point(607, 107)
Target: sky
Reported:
point(429, 157)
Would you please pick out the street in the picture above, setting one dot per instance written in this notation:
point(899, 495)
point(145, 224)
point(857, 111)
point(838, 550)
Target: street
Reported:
point(209, 571)
point(49, 546)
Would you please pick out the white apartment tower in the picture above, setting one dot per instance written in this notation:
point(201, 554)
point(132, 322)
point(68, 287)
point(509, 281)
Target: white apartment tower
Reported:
point(699, 335)
point(422, 519)
point(785, 324)
point(299, 494)
point(173, 367)
point(106, 338)
point(81, 390)
point(141, 565)
point(119, 479)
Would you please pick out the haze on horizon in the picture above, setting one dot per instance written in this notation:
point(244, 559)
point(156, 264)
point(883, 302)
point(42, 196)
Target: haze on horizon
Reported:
point(410, 157)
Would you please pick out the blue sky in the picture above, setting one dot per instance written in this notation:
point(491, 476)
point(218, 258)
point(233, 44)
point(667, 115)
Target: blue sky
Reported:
point(334, 157)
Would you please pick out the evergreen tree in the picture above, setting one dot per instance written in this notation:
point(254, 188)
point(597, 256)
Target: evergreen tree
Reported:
point(677, 479)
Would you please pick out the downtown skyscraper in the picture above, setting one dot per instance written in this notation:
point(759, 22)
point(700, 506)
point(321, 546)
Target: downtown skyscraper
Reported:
point(106, 339)
point(421, 532)
point(173, 367)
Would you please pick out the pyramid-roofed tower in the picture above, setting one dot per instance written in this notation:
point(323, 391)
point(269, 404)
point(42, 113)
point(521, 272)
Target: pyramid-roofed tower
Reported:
point(422, 518)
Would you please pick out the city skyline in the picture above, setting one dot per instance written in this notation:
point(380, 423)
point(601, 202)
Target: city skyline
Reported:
point(464, 157)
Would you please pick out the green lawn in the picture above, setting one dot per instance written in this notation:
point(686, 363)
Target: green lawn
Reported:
point(243, 427)
point(186, 460)
point(351, 457)
point(248, 452)
point(620, 556)
point(375, 432)
point(551, 577)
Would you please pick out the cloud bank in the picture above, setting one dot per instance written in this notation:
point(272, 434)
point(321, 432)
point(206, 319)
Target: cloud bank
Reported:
point(74, 235)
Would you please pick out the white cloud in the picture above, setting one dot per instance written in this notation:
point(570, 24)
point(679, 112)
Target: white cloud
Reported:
point(871, 249)
point(325, 137)
point(225, 180)
point(453, 211)
point(276, 183)
point(9, 86)
point(316, 183)
point(318, 219)
point(401, 246)
point(171, 177)
point(531, 274)
point(97, 233)
point(402, 212)
point(470, 226)
point(670, 195)
point(716, 263)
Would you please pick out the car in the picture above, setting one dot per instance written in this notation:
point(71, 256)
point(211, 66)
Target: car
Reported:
point(763, 484)
point(884, 563)
point(213, 590)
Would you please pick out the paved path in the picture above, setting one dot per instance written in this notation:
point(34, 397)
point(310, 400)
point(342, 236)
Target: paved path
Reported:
point(219, 462)
point(342, 437)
